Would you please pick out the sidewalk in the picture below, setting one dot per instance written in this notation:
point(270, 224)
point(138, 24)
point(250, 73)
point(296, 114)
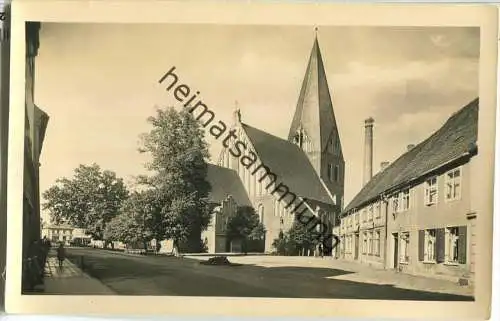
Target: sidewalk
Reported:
point(71, 280)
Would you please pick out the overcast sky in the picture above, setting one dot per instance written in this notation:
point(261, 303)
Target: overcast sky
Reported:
point(99, 83)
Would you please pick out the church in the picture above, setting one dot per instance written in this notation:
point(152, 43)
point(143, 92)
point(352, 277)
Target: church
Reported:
point(307, 166)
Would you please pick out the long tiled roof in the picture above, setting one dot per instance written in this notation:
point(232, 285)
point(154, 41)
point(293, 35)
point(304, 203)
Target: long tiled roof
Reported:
point(289, 163)
point(455, 138)
point(224, 182)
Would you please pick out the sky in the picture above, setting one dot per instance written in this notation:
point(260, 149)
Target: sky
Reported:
point(99, 83)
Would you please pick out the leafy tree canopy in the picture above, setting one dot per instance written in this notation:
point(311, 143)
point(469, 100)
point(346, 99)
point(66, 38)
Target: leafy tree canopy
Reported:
point(178, 170)
point(245, 224)
point(89, 200)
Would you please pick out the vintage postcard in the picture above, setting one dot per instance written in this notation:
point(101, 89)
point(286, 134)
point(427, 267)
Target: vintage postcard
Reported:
point(251, 159)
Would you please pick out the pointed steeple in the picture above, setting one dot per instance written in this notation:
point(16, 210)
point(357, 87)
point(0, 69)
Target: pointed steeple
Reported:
point(314, 111)
point(314, 127)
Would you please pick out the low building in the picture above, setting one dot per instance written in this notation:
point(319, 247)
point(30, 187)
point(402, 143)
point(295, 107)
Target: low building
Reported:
point(416, 214)
point(59, 234)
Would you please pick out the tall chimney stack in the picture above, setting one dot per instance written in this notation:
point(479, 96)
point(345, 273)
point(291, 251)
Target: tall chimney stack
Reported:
point(368, 163)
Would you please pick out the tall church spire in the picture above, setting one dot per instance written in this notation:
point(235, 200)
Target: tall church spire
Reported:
point(314, 109)
point(314, 124)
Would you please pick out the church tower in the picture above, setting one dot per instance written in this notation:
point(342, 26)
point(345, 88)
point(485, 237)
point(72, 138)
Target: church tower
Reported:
point(314, 128)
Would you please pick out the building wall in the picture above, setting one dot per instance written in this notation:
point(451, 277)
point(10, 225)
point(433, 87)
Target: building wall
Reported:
point(275, 217)
point(430, 228)
point(58, 234)
point(441, 215)
point(31, 211)
point(362, 235)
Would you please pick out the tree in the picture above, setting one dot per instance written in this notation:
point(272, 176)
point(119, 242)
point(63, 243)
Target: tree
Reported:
point(281, 243)
point(297, 240)
point(88, 200)
point(302, 238)
point(139, 220)
point(244, 225)
point(178, 173)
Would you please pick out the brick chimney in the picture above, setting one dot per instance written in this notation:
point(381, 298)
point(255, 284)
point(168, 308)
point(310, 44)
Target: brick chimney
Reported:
point(368, 161)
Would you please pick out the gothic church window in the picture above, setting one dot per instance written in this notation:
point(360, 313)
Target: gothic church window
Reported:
point(261, 212)
point(331, 172)
point(301, 140)
point(336, 173)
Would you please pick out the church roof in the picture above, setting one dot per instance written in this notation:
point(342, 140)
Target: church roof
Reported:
point(315, 104)
point(224, 182)
point(289, 163)
point(455, 139)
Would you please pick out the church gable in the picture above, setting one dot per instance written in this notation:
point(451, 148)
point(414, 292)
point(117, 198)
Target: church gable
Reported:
point(289, 163)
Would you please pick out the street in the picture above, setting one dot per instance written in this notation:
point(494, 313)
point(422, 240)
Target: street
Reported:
point(258, 276)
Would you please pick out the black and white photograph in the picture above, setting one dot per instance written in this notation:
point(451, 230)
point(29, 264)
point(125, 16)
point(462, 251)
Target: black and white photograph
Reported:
point(306, 161)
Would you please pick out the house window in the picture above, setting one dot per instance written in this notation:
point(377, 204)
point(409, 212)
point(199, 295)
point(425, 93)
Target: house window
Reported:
point(377, 210)
point(364, 214)
point(431, 191)
point(370, 243)
point(395, 204)
point(430, 246)
point(405, 199)
point(365, 243)
point(453, 184)
point(376, 245)
point(456, 245)
point(370, 213)
point(405, 247)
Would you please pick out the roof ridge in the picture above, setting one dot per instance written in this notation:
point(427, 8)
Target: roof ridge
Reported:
point(269, 134)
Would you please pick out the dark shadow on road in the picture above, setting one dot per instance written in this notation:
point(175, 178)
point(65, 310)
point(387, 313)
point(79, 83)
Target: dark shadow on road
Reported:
point(130, 275)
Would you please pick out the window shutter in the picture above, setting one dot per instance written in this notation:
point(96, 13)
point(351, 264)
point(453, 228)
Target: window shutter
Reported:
point(462, 244)
point(421, 244)
point(440, 242)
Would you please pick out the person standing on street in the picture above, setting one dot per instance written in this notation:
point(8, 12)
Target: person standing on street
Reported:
point(61, 254)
